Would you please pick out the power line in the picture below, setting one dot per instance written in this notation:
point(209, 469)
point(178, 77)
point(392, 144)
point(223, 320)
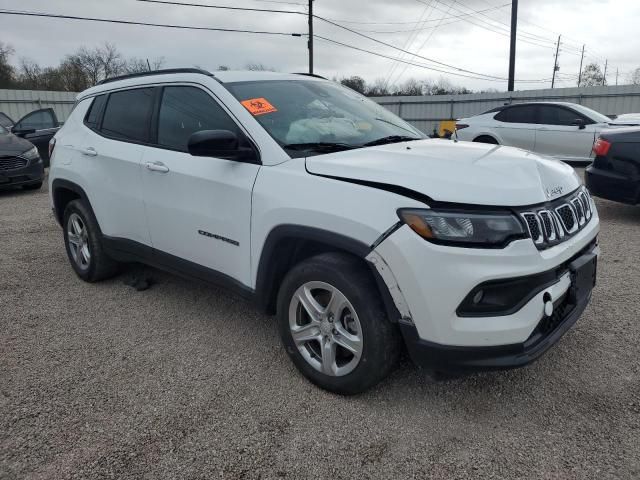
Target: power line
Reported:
point(458, 18)
point(145, 24)
point(223, 7)
point(409, 42)
point(427, 67)
point(406, 51)
point(168, 2)
point(426, 40)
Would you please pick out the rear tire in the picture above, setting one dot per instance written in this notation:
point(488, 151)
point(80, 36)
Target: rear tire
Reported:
point(347, 344)
point(82, 240)
point(486, 139)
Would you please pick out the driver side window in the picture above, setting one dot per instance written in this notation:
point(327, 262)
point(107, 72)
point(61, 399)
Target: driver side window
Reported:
point(186, 110)
point(38, 120)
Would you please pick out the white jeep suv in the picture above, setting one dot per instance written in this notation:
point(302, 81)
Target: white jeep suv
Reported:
point(321, 206)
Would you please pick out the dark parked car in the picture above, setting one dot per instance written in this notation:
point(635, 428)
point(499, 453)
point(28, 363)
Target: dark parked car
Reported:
point(38, 127)
point(615, 171)
point(20, 162)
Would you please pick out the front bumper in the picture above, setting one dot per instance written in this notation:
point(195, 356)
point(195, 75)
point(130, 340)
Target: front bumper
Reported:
point(32, 173)
point(612, 185)
point(457, 360)
point(431, 281)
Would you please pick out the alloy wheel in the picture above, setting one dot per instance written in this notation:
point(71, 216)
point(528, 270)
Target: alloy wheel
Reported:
point(325, 328)
point(78, 240)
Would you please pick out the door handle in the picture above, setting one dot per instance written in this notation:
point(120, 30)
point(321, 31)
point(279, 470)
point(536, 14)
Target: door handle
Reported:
point(157, 167)
point(90, 151)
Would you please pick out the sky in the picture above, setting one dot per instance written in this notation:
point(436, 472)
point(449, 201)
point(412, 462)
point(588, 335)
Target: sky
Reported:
point(447, 31)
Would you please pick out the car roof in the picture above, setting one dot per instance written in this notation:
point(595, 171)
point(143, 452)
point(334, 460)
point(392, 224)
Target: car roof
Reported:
point(190, 74)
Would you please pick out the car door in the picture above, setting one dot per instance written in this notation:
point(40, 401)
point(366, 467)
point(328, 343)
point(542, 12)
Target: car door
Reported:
point(38, 127)
point(560, 135)
point(6, 121)
point(516, 126)
point(198, 208)
point(111, 153)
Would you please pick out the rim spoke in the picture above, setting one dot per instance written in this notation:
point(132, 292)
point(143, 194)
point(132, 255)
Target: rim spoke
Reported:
point(336, 304)
point(73, 238)
point(349, 342)
point(310, 304)
point(85, 255)
point(328, 356)
point(77, 226)
point(305, 333)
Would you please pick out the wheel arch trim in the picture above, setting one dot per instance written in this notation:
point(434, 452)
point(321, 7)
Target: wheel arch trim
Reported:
point(267, 284)
point(60, 184)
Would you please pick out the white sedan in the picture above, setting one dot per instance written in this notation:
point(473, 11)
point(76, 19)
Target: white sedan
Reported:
point(562, 130)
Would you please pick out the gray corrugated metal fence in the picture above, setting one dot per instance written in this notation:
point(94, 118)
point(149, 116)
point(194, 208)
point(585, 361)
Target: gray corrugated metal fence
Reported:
point(17, 103)
point(425, 112)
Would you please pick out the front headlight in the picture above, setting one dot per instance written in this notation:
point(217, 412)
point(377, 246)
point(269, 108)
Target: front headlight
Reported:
point(31, 154)
point(463, 228)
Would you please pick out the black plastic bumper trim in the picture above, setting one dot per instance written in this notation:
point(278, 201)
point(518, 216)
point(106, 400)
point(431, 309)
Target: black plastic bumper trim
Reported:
point(459, 360)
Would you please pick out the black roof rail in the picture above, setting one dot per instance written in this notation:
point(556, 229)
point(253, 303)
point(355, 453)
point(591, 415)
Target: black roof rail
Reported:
point(310, 75)
point(156, 72)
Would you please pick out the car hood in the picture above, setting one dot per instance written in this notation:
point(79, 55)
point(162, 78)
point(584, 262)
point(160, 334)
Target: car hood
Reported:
point(448, 171)
point(12, 145)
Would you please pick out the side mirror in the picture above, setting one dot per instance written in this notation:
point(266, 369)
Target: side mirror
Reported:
point(219, 144)
point(578, 122)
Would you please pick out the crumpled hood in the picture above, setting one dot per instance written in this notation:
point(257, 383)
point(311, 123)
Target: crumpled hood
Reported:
point(11, 145)
point(460, 172)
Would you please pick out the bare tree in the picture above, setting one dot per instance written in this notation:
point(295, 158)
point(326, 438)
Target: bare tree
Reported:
point(634, 77)
point(379, 88)
point(7, 72)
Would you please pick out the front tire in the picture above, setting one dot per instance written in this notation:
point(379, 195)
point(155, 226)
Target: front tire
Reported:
point(83, 244)
point(334, 326)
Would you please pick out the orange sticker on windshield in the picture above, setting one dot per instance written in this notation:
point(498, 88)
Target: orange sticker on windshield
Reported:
point(258, 106)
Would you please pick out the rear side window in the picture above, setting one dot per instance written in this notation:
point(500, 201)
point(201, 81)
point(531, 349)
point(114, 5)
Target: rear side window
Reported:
point(550, 115)
point(95, 110)
point(520, 114)
point(127, 115)
point(186, 110)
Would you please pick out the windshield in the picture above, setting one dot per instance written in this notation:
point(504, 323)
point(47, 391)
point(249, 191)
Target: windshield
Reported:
point(311, 115)
point(592, 114)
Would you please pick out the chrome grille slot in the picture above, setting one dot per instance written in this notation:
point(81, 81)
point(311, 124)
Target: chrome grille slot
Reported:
point(556, 221)
point(567, 218)
point(579, 209)
point(535, 227)
point(547, 225)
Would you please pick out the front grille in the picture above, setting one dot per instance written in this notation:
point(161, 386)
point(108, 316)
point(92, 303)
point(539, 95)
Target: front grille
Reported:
point(554, 222)
point(12, 163)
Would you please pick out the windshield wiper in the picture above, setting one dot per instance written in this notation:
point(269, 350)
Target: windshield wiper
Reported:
point(390, 139)
point(321, 146)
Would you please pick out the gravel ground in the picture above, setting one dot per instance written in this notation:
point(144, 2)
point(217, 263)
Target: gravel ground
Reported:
point(184, 381)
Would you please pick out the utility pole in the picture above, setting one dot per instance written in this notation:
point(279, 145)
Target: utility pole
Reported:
point(604, 77)
point(580, 72)
point(512, 48)
point(310, 42)
point(555, 63)
point(616, 77)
